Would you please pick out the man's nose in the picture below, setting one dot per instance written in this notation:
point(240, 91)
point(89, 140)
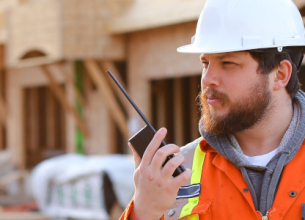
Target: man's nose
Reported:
point(209, 77)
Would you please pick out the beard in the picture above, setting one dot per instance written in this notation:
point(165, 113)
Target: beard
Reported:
point(248, 111)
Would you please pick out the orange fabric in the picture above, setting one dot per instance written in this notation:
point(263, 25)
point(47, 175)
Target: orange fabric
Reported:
point(125, 215)
point(127, 211)
point(222, 190)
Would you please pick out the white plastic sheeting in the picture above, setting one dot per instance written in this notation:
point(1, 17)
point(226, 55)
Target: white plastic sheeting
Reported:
point(71, 185)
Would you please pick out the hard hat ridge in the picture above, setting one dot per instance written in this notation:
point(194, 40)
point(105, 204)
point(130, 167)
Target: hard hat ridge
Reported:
point(238, 25)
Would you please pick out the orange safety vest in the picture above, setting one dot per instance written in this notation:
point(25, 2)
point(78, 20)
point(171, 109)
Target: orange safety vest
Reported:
point(224, 193)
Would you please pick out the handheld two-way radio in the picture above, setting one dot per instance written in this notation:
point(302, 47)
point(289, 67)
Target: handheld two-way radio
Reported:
point(142, 139)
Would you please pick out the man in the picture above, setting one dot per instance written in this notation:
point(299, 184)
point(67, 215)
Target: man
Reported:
point(248, 163)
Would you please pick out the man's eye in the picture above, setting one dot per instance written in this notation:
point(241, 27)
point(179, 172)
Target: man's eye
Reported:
point(228, 63)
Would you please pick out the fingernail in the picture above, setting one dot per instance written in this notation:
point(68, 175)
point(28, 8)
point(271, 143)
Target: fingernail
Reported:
point(162, 130)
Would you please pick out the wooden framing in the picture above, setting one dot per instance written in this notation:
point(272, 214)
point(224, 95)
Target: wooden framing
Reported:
point(1, 138)
point(50, 121)
point(69, 80)
point(101, 82)
point(174, 106)
point(64, 30)
point(178, 112)
point(159, 46)
point(34, 62)
point(161, 105)
point(194, 90)
point(141, 15)
point(44, 125)
point(3, 111)
point(18, 81)
point(112, 136)
point(107, 65)
point(33, 127)
point(63, 101)
point(3, 105)
point(3, 120)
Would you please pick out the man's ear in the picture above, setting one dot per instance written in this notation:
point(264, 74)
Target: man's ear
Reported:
point(282, 75)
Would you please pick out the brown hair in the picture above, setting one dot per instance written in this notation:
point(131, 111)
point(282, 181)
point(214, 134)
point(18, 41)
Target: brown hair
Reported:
point(268, 61)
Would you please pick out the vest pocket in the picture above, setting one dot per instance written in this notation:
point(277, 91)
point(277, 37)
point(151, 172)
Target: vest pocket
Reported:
point(189, 210)
point(199, 209)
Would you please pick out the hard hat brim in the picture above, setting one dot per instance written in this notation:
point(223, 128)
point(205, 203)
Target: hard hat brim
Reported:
point(191, 48)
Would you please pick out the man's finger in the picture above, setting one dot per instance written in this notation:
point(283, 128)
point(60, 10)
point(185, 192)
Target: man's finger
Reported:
point(162, 153)
point(153, 146)
point(136, 157)
point(182, 178)
point(172, 165)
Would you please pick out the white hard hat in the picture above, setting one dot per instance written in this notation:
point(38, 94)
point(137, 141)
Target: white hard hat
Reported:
point(238, 25)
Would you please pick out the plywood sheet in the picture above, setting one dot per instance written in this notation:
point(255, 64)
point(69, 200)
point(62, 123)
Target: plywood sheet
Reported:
point(147, 14)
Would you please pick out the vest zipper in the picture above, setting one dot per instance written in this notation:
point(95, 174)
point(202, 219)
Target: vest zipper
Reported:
point(264, 217)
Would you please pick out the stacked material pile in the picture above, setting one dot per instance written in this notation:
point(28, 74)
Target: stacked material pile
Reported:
point(83, 187)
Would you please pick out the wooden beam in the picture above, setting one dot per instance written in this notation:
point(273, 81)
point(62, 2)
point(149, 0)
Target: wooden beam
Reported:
point(2, 92)
point(1, 138)
point(161, 103)
point(60, 95)
point(50, 114)
point(107, 65)
point(101, 82)
point(3, 111)
point(61, 132)
point(32, 119)
point(70, 81)
point(33, 62)
point(112, 136)
point(194, 90)
point(178, 111)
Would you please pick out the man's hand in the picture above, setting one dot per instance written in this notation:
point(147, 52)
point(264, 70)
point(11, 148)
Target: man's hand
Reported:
point(155, 187)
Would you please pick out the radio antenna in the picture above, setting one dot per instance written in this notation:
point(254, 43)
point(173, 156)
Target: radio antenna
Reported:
point(131, 101)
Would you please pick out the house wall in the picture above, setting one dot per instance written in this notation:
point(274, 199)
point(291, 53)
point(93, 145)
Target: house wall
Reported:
point(17, 80)
point(98, 123)
point(152, 55)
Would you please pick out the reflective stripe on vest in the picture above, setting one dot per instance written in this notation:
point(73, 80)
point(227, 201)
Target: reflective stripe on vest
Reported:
point(195, 179)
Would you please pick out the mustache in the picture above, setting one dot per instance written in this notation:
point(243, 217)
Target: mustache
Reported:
point(210, 92)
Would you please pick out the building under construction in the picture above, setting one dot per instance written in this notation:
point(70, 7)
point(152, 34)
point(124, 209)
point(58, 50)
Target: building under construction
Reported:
point(55, 94)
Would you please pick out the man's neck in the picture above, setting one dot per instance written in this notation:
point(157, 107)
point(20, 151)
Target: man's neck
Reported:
point(267, 135)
